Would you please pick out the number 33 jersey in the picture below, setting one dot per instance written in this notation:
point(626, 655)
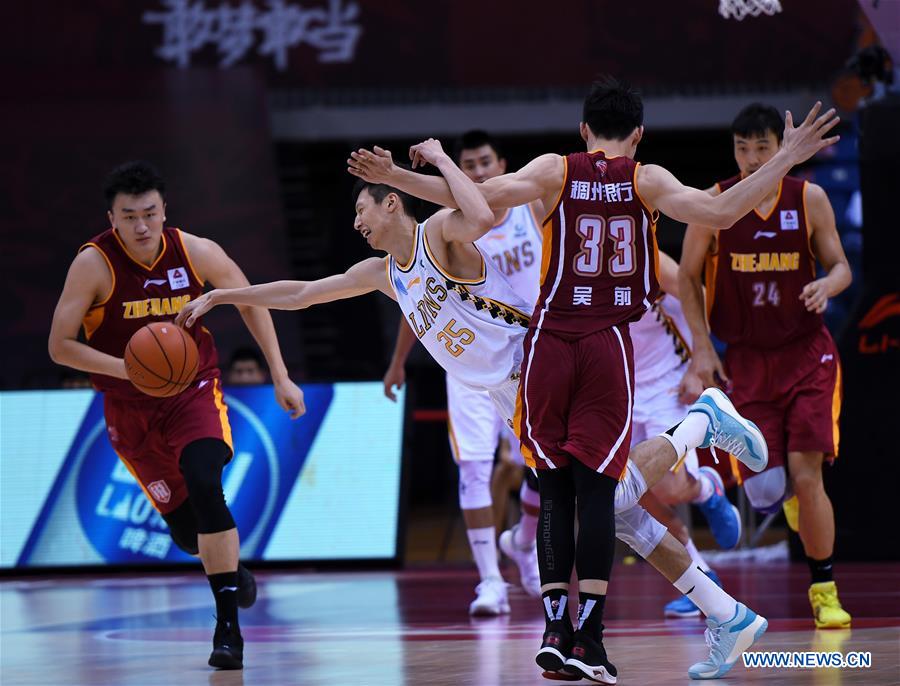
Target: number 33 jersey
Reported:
point(473, 328)
point(758, 270)
point(599, 265)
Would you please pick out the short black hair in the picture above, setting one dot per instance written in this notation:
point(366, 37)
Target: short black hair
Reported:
point(612, 109)
point(379, 191)
point(473, 139)
point(247, 353)
point(133, 178)
point(756, 120)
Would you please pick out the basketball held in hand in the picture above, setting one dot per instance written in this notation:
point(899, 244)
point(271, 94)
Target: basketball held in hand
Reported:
point(161, 359)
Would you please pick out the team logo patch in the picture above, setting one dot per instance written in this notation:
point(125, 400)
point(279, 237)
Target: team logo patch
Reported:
point(178, 278)
point(160, 491)
point(789, 220)
point(601, 167)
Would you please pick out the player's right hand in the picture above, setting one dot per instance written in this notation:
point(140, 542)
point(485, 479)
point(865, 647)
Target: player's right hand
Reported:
point(374, 166)
point(804, 141)
point(690, 388)
point(706, 365)
point(428, 151)
point(195, 309)
point(395, 377)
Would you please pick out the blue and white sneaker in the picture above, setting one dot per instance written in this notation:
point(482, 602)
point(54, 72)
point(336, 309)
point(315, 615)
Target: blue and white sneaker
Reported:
point(723, 517)
point(729, 431)
point(683, 607)
point(727, 641)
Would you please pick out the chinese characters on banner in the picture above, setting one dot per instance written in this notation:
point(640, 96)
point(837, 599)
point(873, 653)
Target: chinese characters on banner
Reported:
point(189, 26)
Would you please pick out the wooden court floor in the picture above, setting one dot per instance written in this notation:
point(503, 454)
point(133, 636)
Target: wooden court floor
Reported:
point(410, 627)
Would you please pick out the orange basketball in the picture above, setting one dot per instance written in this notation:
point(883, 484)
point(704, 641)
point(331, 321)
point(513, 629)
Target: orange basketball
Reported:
point(161, 359)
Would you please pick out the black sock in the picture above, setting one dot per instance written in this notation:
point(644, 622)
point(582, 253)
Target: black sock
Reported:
point(821, 570)
point(556, 606)
point(590, 614)
point(225, 587)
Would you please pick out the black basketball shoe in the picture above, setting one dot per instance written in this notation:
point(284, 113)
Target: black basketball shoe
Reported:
point(555, 646)
point(587, 659)
point(246, 587)
point(228, 647)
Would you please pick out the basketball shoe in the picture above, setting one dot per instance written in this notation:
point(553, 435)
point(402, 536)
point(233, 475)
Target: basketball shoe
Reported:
point(723, 517)
point(588, 659)
point(555, 647)
point(525, 559)
point(791, 508)
point(491, 598)
point(683, 607)
point(826, 607)
point(729, 431)
point(727, 640)
point(228, 647)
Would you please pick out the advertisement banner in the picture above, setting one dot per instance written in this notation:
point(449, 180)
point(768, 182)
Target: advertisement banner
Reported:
point(324, 487)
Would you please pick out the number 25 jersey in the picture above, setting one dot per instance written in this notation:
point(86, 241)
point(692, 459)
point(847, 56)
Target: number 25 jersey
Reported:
point(599, 265)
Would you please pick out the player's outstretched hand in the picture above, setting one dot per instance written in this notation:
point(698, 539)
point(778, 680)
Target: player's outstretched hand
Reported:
point(374, 166)
point(290, 397)
point(804, 141)
point(195, 309)
point(815, 296)
point(395, 377)
point(427, 152)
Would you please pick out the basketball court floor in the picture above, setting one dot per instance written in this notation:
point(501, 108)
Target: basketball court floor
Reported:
point(409, 627)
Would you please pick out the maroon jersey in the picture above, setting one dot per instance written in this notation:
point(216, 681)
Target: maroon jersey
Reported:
point(755, 277)
point(600, 259)
point(141, 295)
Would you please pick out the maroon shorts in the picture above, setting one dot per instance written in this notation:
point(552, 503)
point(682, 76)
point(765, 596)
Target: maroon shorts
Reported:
point(575, 400)
point(792, 393)
point(149, 435)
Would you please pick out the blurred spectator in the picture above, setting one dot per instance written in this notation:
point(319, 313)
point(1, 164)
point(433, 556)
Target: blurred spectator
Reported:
point(246, 367)
point(72, 378)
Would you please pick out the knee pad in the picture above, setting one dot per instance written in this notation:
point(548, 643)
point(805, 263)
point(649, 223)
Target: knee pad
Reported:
point(639, 531)
point(631, 488)
point(201, 465)
point(529, 494)
point(183, 527)
point(475, 484)
point(766, 491)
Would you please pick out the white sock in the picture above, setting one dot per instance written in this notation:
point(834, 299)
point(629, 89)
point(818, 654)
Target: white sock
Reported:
point(484, 550)
point(689, 434)
point(712, 600)
point(695, 555)
point(707, 488)
point(526, 533)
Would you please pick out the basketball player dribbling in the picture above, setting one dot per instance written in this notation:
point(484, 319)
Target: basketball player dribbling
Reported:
point(473, 323)
point(514, 246)
point(140, 271)
point(781, 366)
point(598, 274)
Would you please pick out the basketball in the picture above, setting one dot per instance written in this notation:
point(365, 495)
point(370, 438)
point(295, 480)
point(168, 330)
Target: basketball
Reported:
point(161, 359)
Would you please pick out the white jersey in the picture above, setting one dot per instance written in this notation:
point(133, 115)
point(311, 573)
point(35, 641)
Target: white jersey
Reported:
point(473, 328)
point(661, 339)
point(514, 246)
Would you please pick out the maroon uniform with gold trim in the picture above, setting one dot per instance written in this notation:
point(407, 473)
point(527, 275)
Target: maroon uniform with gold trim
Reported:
point(598, 273)
point(149, 433)
point(782, 361)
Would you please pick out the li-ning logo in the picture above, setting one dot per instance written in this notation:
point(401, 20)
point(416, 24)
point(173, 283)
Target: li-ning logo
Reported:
point(872, 343)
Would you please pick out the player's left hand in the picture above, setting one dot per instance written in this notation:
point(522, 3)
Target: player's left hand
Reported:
point(690, 388)
point(815, 296)
point(290, 397)
point(427, 152)
point(194, 309)
point(374, 166)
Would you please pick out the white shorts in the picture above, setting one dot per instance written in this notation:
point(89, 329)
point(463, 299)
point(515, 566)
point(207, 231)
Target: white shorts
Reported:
point(656, 409)
point(479, 419)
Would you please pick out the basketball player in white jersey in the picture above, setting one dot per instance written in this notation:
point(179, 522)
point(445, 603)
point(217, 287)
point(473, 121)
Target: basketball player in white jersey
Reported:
point(513, 245)
point(662, 348)
point(473, 323)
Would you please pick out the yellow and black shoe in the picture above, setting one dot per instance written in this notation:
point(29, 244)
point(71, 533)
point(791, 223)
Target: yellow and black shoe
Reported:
point(791, 508)
point(827, 609)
